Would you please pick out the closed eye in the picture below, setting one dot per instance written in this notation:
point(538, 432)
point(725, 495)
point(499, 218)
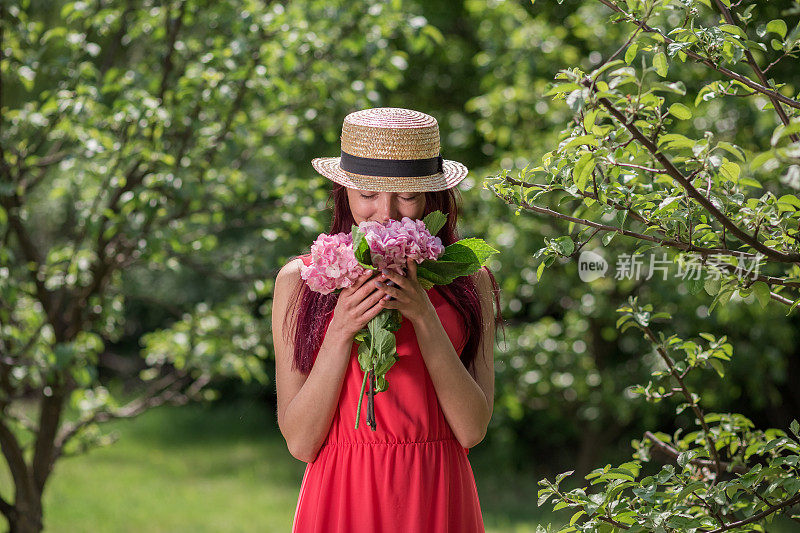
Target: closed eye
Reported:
point(370, 196)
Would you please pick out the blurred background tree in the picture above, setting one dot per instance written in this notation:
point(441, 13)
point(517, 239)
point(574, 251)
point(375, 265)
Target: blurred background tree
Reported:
point(156, 175)
point(152, 167)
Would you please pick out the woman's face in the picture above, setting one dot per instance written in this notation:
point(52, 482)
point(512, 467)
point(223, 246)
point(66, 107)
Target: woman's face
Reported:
point(382, 206)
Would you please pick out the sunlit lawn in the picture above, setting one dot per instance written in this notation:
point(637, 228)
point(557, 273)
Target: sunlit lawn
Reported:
point(225, 468)
point(217, 468)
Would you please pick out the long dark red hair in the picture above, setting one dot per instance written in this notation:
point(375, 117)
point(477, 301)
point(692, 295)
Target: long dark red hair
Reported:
point(313, 309)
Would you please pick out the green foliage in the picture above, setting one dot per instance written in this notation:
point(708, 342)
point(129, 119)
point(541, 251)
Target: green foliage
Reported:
point(461, 258)
point(724, 469)
point(153, 182)
point(629, 153)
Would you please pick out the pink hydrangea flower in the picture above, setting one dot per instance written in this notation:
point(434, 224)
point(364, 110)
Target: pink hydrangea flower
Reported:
point(392, 243)
point(333, 263)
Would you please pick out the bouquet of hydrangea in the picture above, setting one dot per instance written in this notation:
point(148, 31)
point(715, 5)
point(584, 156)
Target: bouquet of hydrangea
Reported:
point(337, 261)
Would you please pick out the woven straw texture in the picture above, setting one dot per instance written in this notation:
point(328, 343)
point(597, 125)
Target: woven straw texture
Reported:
point(391, 133)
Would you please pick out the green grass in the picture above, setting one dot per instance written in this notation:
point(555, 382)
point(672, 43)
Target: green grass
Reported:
point(212, 468)
point(225, 468)
point(179, 469)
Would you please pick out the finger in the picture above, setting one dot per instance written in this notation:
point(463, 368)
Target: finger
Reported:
point(371, 312)
point(368, 302)
point(360, 280)
point(365, 287)
point(399, 280)
point(412, 269)
point(389, 290)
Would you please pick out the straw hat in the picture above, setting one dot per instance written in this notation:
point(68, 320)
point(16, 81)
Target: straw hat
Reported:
point(391, 149)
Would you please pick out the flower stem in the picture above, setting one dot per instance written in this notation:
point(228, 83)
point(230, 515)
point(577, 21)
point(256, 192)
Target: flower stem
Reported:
point(360, 397)
point(364, 382)
point(371, 400)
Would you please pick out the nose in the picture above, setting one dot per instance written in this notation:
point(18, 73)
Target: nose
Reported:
point(387, 209)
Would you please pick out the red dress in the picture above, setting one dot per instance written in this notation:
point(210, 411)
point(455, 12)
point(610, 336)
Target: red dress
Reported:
point(410, 474)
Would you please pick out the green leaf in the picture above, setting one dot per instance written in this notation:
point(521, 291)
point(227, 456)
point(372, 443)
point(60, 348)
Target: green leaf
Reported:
point(660, 64)
point(576, 516)
point(717, 364)
point(676, 140)
point(730, 170)
point(677, 87)
point(793, 36)
point(565, 245)
point(680, 111)
point(795, 304)
point(666, 472)
point(434, 221)
point(722, 297)
point(461, 258)
point(711, 285)
point(791, 201)
point(582, 139)
point(783, 131)
point(630, 53)
point(361, 247)
point(732, 149)
point(589, 118)
point(364, 356)
point(583, 170)
point(563, 88)
point(693, 285)
point(777, 26)
point(611, 64)
point(750, 182)
point(667, 204)
point(733, 30)
point(761, 290)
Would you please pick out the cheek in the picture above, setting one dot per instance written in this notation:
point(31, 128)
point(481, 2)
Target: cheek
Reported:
point(360, 209)
point(419, 209)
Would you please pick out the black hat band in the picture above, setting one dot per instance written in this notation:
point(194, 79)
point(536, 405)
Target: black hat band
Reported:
point(393, 168)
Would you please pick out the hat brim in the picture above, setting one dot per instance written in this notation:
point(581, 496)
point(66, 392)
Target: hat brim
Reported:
point(452, 174)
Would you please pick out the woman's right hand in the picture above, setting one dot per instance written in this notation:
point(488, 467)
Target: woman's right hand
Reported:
point(358, 304)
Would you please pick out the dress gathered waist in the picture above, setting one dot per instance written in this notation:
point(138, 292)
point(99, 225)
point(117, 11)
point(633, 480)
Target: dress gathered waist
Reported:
point(392, 443)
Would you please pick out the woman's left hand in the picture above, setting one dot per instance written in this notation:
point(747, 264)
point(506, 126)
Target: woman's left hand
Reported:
point(409, 297)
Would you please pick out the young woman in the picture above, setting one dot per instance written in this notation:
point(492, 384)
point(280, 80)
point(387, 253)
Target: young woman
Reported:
point(412, 472)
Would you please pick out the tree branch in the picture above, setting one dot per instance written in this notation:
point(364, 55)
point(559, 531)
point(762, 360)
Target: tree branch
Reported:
point(759, 74)
point(668, 450)
point(755, 518)
point(704, 60)
point(717, 463)
point(670, 168)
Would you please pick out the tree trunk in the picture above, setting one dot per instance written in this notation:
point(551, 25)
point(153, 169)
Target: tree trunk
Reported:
point(26, 517)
